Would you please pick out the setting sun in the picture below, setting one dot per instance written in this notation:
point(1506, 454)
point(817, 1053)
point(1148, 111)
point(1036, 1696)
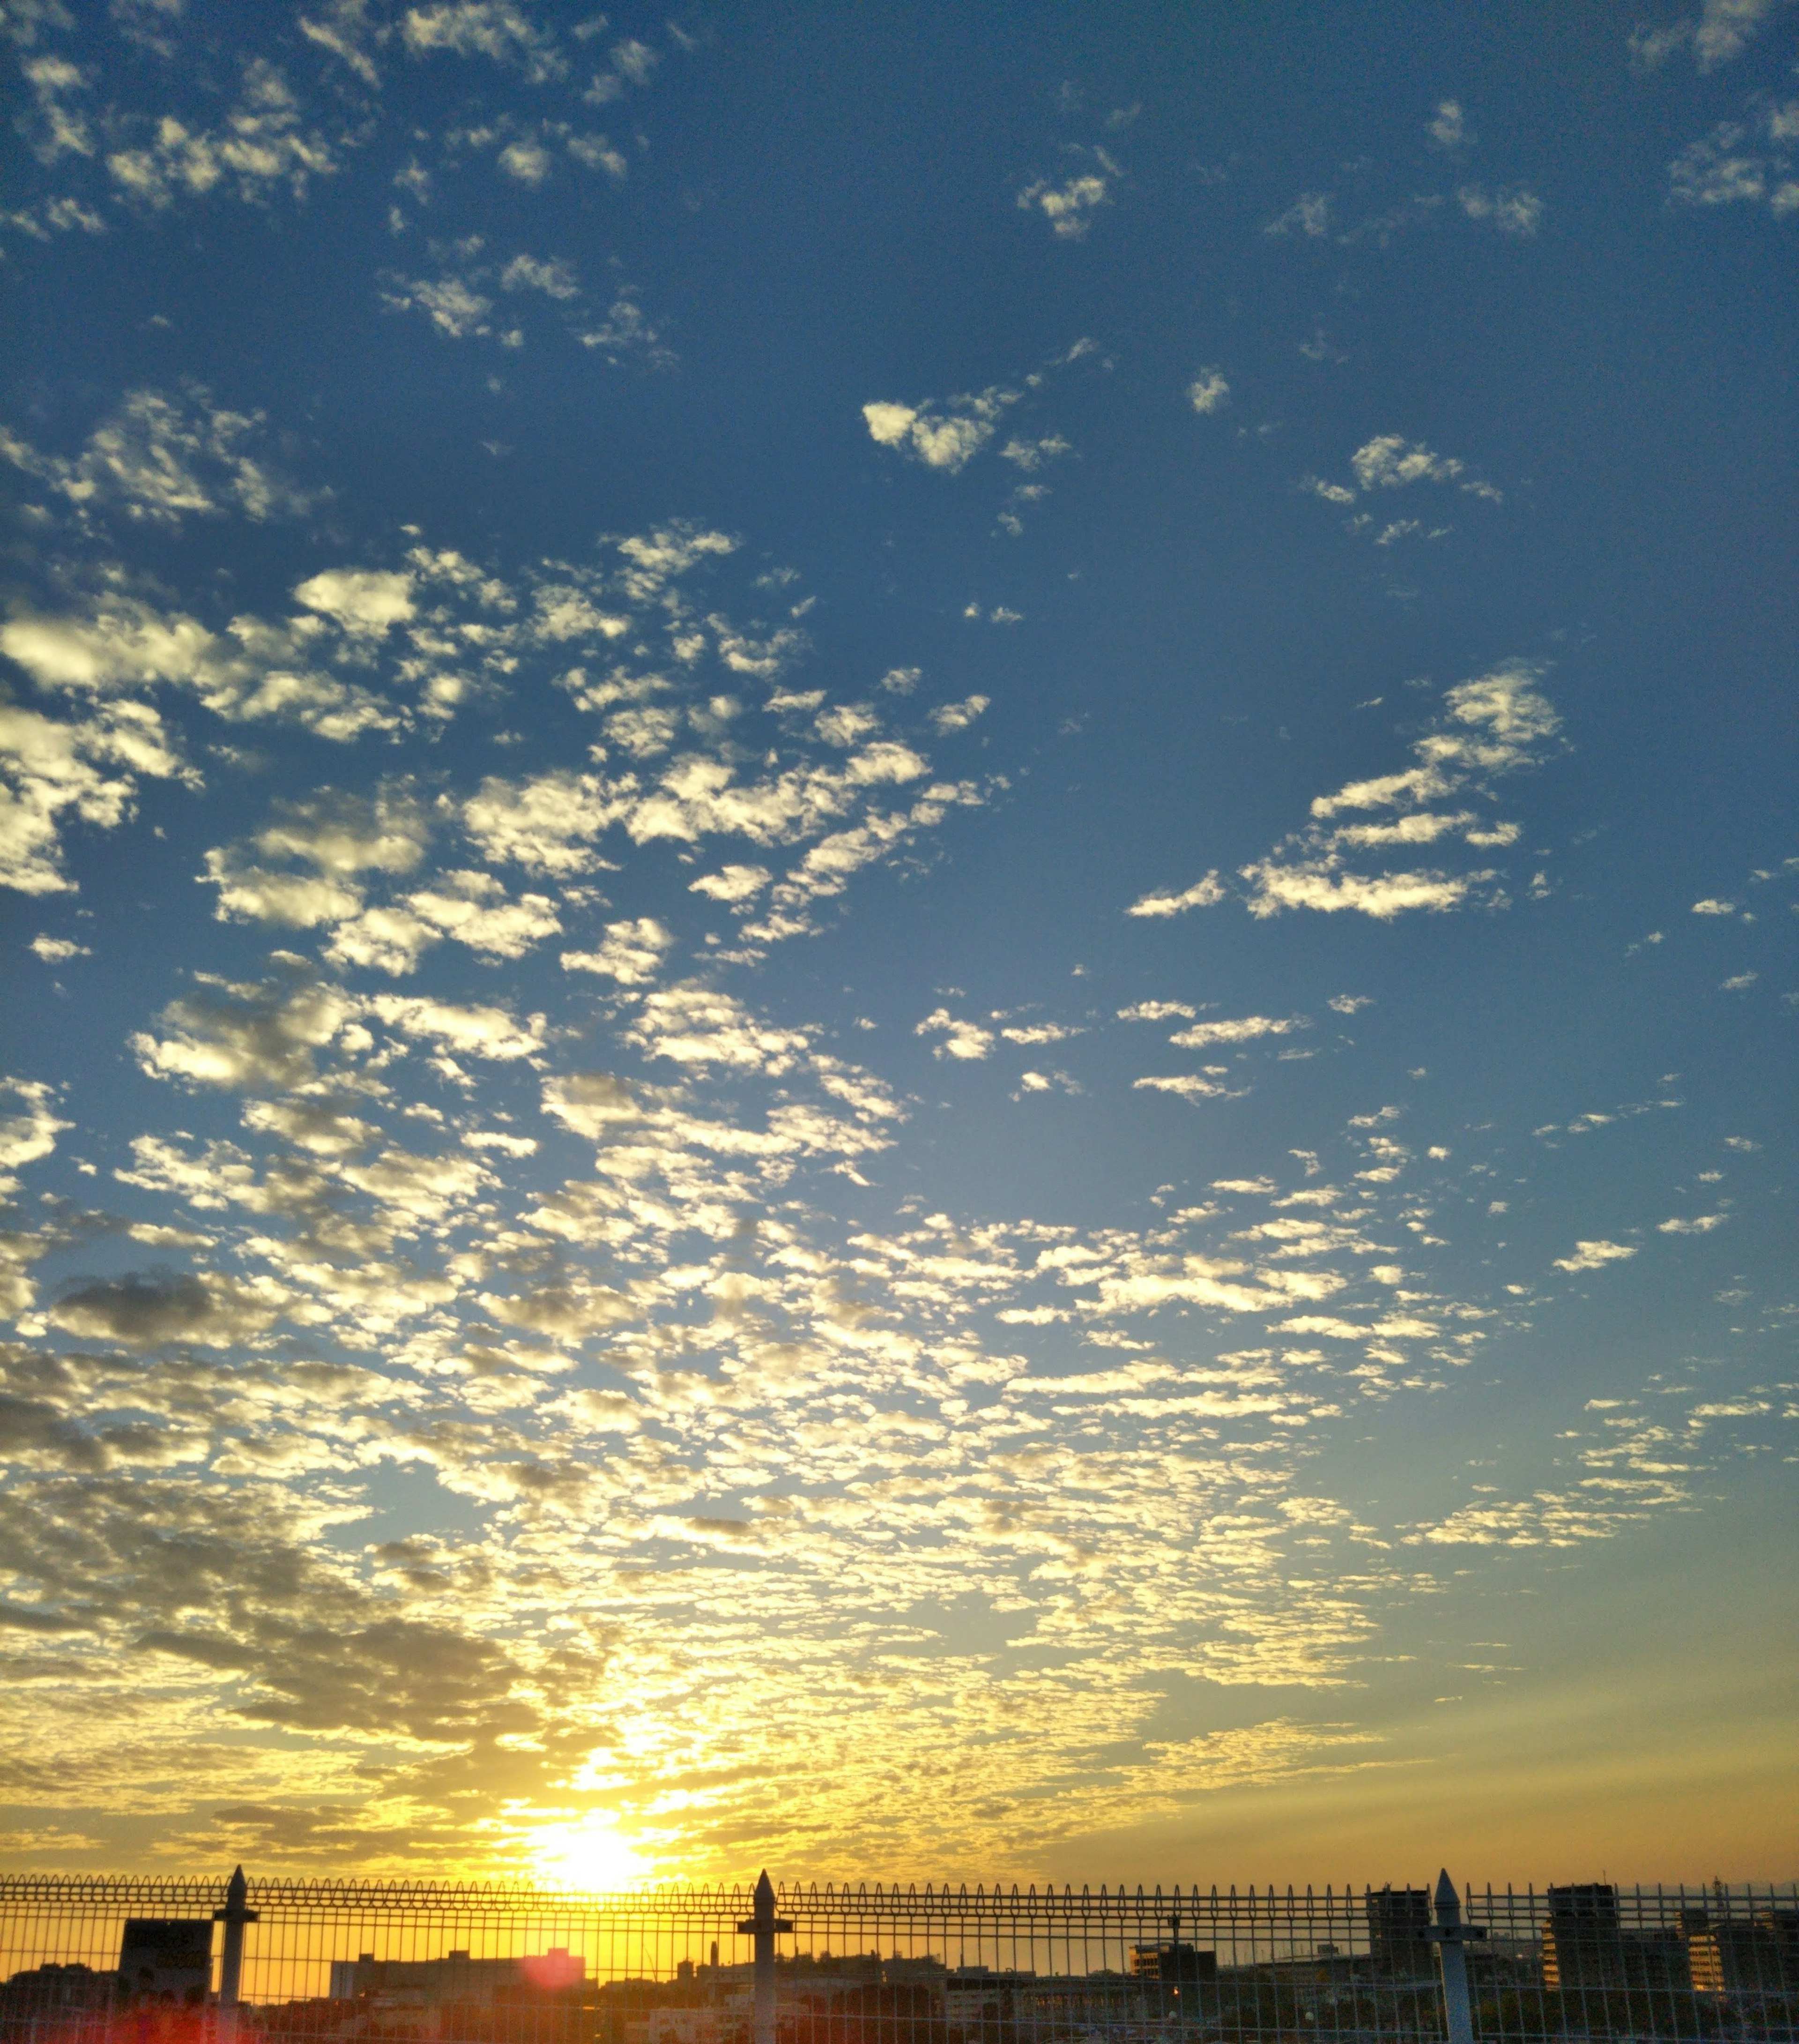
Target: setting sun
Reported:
point(588, 1853)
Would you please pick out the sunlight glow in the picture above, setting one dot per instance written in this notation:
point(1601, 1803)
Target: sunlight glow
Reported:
point(589, 1852)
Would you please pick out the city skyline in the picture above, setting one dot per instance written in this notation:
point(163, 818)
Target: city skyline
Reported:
point(900, 916)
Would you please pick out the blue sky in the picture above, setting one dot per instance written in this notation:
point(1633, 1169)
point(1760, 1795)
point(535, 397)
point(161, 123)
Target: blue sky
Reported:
point(902, 909)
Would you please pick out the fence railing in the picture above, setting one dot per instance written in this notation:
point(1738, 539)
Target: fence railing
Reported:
point(125, 1961)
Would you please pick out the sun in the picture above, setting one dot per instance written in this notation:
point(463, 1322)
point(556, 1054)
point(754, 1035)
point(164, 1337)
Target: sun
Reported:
point(588, 1852)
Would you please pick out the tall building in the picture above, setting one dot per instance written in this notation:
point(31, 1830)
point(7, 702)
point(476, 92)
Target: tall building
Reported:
point(1398, 1931)
point(1744, 1956)
point(1586, 1949)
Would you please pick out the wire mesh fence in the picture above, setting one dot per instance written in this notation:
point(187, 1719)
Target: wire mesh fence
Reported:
point(150, 1962)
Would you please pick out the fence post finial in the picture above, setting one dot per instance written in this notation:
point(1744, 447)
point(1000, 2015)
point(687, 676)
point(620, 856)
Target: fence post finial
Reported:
point(1449, 1934)
point(234, 1915)
point(762, 1928)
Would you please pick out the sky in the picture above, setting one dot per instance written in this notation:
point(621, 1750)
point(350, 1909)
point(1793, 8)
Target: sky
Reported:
point(900, 940)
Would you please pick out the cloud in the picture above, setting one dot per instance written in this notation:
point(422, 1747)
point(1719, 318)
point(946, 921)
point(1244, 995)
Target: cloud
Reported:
point(54, 771)
point(963, 1040)
point(546, 824)
point(491, 28)
point(1243, 1030)
point(1698, 1224)
point(1495, 723)
point(1308, 214)
point(1513, 211)
point(948, 718)
point(1723, 31)
point(253, 671)
point(556, 278)
point(469, 906)
point(54, 951)
point(1742, 164)
point(1209, 392)
point(1156, 1011)
point(475, 1032)
point(1190, 1085)
point(28, 1136)
point(146, 1310)
point(263, 143)
point(1448, 126)
point(364, 602)
point(947, 438)
point(1202, 894)
point(160, 458)
point(632, 952)
point(1067, 206)
point(732, 883)
point(1594, 1255)
point(1712, 906)
point(247, 1035)
point(1389, 461)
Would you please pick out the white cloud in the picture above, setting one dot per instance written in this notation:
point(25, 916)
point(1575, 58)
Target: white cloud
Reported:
point(493, 29)
point(1493, 725)
point(965, 1040)
point(1156, 1011)
point(1308, 214)
point(1699, 1224)
point(1244, 1029)
point(1388, 461)
point(546, 825)
point(631, 951)
point(475, 1032)
point(1723, 31)
point(54, 951)
point(1448, 126)
point(526, 160)
point(162, 458)
point(731, 883)
point(1712, 906)
point(957, 717)
point(1350, 1004)
point(1190, 1085)
point(1202, 894)
point(252, 671)
point(1513, 211)
point(365, 601)
point(555, 277)
point(1594, 1255)
point(948, 438)
point(27, 1137)
point(1209, 392)
point(1739, 164)
point(54, 771)
point(1067, 205)
point(262, 143)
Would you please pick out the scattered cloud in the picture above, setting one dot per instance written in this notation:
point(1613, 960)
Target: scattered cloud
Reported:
point(1202, 894)
point(1594, 1255)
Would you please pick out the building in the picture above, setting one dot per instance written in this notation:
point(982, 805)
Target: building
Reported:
point(1398, 1931)
point(1758, 1954)
point(455, 1977)
point(1586, 1949)
point(1173, 1965)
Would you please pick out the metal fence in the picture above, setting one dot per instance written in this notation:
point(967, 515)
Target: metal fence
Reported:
point(167, 1962)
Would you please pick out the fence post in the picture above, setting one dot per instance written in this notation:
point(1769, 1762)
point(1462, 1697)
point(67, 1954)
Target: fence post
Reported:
point(234, 1916)
point(763, 1927)
point(1449, 1934)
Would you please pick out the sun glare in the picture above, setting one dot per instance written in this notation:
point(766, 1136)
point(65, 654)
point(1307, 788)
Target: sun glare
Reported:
point(590, 1853)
